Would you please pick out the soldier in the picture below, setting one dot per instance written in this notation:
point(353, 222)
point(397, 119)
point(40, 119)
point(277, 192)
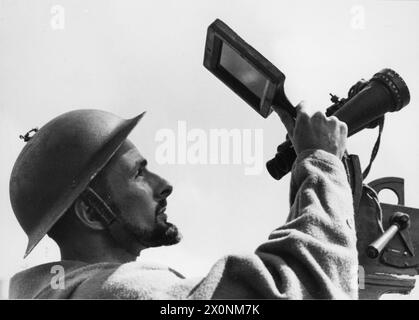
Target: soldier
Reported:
point(82, 182)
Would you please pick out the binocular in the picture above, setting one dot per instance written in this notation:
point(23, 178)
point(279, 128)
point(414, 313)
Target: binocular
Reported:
point(367, 102)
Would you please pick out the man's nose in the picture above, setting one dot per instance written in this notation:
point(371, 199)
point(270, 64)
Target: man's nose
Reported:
point(166, 191)
point(163, 189)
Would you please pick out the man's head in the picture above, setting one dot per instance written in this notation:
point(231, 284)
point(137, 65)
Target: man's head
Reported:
point(52, 191)
point(137, 197)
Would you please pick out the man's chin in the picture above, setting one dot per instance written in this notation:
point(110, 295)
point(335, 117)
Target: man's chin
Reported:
point(166, 234)
point(171, 235)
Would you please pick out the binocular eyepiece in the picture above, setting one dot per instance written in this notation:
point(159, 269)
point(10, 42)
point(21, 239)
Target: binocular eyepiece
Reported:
point(385, 92)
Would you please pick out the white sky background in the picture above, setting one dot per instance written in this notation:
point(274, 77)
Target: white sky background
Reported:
point(131, 56)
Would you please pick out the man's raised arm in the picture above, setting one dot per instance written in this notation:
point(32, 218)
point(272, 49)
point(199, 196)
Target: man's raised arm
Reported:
point(314, 254)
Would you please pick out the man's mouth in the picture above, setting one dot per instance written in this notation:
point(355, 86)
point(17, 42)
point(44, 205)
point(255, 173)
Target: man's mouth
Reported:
point(161, 208)
point(161, 211)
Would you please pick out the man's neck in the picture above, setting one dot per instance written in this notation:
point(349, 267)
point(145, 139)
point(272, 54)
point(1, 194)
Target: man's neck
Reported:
point(95, 251)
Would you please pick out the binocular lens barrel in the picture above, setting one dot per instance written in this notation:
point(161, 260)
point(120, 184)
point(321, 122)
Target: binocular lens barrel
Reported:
point(385, 92)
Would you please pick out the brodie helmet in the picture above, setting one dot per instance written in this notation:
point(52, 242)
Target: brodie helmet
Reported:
point(57, 164)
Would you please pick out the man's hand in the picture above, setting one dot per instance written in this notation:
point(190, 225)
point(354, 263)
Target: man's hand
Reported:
point(315, 132)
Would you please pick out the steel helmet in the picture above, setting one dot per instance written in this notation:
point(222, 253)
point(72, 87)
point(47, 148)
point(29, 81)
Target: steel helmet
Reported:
point(57, 164)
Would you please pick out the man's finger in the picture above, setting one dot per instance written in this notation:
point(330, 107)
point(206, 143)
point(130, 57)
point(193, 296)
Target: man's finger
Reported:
point(302, 108)
point(287, 120)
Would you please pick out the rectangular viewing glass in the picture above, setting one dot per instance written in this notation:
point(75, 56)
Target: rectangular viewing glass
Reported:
point(243, 71)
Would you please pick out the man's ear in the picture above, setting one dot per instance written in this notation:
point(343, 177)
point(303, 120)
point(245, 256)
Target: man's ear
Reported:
point(88, 216)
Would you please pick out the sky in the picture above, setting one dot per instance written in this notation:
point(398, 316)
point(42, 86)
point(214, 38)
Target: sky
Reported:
point(127, 57)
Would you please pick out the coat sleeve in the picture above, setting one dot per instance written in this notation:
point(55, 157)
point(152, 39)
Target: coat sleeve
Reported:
point(312, 256)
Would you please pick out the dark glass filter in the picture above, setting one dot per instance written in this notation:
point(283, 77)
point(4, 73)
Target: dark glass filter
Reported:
point(243, 71)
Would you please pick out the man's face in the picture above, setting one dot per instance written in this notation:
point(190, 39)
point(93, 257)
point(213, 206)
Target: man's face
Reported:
point(139, 197)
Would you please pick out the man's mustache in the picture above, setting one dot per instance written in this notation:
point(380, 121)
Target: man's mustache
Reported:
point(161, 206)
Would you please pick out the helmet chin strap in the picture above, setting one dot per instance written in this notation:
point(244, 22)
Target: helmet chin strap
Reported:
point(116, 227)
